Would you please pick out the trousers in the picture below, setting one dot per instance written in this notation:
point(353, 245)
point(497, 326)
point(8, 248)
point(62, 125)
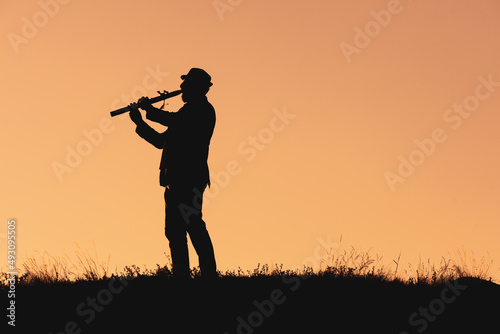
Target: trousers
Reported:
point(183, 216)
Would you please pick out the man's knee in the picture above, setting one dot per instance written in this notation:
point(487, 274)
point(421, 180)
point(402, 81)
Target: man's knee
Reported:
point(175, 234)
point(196, 226)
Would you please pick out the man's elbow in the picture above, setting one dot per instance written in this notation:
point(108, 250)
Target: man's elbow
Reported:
point(156, 115)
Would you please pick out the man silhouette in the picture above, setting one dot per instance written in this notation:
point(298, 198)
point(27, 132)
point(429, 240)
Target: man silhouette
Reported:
point(183, 168)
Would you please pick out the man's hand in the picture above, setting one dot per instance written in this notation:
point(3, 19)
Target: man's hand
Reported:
point(144, 103)
point(135, 114)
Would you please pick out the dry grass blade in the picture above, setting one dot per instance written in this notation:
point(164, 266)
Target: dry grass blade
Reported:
point(47, 269)
point(92, 270)
point(470, 266)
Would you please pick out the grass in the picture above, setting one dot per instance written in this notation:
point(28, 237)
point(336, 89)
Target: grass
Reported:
point(46, 269)
point(353, 263)
point(351, 285)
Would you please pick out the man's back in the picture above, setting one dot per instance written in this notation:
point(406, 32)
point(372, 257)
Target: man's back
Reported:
point(187, 140)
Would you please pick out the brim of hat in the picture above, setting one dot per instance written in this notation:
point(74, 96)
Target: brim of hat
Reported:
point(183, 77)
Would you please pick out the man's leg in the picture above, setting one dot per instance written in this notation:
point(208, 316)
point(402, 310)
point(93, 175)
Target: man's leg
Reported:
point(204, 248)
point(199, 236)
point(175, 231)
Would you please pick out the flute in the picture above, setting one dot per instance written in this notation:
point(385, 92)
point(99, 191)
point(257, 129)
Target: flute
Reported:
point(163, 96)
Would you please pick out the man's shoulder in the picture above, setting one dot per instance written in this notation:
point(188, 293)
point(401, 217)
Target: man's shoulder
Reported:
point(204, 103)
point(210, 107)
point(201, 106)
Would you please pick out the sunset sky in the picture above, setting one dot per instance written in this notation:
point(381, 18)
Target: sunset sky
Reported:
point(376, 121)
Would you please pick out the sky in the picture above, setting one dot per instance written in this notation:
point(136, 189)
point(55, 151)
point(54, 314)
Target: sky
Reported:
point(374, 122)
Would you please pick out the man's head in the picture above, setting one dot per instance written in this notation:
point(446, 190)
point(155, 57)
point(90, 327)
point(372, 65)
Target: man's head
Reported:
point(196, 84)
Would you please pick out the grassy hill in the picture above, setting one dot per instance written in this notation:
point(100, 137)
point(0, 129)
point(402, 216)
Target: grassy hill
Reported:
point(336, 300)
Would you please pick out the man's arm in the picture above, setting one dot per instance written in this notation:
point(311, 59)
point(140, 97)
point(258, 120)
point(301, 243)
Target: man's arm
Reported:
point(144, 130)
point(155, 114)
point(150, 135)
point(160, 116)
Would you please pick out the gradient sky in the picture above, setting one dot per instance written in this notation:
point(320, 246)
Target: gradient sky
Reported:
point(321, 172)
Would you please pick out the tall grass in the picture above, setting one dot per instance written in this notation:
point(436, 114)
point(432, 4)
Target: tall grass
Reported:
point(468, 265)
point(45, 268)
point(353, 263)
point(461, 263)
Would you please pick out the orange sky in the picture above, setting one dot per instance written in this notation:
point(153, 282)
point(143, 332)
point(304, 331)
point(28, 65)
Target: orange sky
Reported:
point(361, 84)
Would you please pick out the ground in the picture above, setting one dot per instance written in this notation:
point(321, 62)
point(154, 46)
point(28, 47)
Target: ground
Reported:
point(267, 304)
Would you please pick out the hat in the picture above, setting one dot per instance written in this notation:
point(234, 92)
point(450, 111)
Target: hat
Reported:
point(198, 75)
